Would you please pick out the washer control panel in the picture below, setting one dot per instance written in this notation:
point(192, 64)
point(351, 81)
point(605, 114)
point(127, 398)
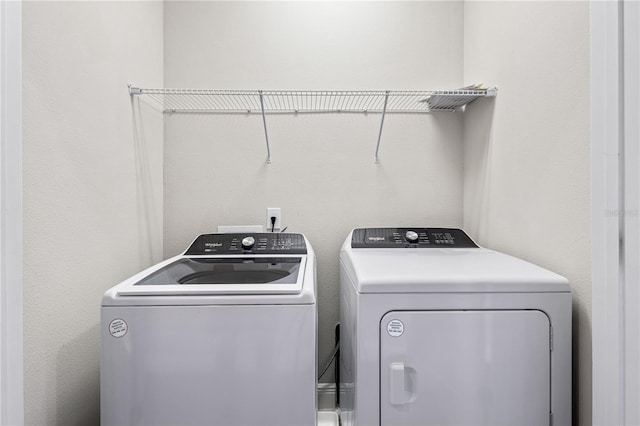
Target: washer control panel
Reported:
point(254, 243)
point(410, 237)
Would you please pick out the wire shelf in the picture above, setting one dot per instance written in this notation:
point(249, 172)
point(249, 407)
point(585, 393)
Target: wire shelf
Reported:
point(284, 101)
point(290, 101)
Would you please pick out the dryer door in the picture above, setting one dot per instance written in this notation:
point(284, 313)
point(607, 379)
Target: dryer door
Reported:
point(465, 368)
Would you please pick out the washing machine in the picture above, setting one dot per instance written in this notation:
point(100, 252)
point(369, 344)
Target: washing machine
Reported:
point(223, 334)
point(436, 330)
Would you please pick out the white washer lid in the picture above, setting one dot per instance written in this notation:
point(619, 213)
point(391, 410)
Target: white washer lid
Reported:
point(203, 275)
point(183, 280)
point(445, 270)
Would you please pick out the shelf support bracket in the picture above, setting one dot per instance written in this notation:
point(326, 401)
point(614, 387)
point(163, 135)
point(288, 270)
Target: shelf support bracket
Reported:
point(264, 123)
point(134, 90)
point(384, 111)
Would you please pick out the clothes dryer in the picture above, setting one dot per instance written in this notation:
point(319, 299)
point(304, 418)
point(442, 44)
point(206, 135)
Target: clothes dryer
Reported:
point(438, 331)
point(223, 334)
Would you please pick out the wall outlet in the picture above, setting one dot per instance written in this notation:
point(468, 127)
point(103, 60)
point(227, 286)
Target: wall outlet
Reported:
point(277, 213)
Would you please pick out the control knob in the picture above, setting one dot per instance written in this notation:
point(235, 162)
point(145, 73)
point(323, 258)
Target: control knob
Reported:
point(411, 236)
point(248, 242)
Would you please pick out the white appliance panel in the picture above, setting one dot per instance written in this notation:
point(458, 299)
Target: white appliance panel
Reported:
point(482, 368)
point(197, 365)
point(447, 270)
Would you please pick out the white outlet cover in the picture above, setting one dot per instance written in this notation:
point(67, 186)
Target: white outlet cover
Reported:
point(277, 212)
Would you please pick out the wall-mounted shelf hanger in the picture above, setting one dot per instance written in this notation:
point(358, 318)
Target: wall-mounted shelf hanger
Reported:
point(265, 102)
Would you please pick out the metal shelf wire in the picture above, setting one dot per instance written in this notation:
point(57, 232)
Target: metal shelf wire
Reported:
point(291, 101)
point(294, 101)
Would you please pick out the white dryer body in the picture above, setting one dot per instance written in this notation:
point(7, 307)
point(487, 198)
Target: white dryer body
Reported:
point(439, 331)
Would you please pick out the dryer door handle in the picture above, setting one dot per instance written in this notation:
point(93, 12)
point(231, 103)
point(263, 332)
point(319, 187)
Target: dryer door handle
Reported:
point(397, 391)
point(402, 384)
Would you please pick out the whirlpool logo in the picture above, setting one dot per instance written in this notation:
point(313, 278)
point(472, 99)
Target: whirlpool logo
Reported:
point(375, 238)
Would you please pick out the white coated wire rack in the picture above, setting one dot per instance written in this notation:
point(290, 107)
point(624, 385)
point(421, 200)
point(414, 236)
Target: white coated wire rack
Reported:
point(290, 101)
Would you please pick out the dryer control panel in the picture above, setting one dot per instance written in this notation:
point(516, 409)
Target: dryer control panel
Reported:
point(410, 238)
point(253, 243)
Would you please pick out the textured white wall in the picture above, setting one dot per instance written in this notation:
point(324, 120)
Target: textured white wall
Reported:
point(323, 175)
point(92, 188)
point(526, 179)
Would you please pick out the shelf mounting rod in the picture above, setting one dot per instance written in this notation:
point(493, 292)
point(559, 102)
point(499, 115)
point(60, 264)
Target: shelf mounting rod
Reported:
point(384, 111)
point(264, 122)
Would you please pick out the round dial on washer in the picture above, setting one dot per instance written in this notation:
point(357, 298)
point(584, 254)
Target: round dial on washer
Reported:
point(248, 242)
point(411, 236)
